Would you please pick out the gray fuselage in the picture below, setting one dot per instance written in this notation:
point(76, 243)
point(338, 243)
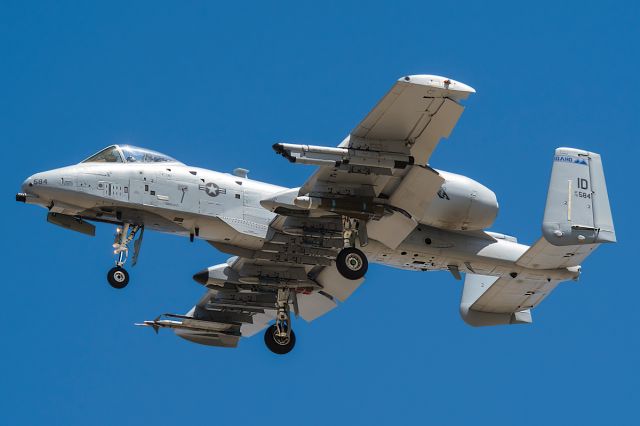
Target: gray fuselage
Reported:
point(223, 208)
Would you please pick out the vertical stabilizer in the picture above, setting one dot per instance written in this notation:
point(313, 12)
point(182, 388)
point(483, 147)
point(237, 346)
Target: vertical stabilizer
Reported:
point(577, 210)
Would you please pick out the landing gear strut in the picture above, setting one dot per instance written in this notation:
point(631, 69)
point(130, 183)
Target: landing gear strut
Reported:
point(117, 276)
point(280, 338)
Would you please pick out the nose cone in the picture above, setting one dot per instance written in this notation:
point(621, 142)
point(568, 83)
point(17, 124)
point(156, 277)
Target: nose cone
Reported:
point(35, 184)
point(24, 193)
point(26, 185)
point(44, 187)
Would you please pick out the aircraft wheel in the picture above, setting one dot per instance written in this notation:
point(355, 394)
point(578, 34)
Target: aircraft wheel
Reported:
point(352, 263)
point(118, 277)
point(276, 344)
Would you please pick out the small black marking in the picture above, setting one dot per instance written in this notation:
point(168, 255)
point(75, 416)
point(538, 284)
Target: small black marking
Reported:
point(442, 193)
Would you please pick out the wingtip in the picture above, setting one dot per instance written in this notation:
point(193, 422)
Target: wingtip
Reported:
point(152, 324)
point(437, 81)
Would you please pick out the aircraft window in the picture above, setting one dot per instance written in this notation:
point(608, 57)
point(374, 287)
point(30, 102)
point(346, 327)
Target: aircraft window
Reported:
point(134, 154)
point(107, 155)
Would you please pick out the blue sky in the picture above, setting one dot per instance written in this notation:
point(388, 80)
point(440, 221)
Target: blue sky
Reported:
point(216, 85)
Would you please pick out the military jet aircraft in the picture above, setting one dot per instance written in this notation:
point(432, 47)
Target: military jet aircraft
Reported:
point(374, 198)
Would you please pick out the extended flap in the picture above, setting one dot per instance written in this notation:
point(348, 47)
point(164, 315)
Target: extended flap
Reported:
point(335, 284)
point(314, 305)
point(417, 189)
point(391, 230)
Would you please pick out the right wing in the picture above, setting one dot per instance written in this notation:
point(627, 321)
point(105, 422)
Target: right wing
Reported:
point(240, 300)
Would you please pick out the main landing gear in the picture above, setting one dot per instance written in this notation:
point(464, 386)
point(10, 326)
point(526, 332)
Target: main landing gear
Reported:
point(117, 276)
point(352, 263)
point(280, 338)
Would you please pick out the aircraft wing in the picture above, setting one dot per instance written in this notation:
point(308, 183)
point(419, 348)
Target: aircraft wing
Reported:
point(377, 177)
point(220, 317)
point(241, 295)
point(410, 119)
point(384, 158)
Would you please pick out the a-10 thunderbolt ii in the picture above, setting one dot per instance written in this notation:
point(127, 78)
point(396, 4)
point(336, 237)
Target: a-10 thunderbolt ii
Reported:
point(374, 198)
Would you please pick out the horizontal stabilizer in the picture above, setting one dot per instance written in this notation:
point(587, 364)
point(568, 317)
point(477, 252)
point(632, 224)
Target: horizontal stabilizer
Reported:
point(487, 301)
point(544, 255)
point(508, 295)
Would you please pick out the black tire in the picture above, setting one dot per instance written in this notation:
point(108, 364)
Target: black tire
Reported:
point(118, 277)
point(277, 346)
point(352, 263)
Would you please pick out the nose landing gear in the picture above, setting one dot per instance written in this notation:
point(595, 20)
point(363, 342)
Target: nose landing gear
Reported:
point(118, 277)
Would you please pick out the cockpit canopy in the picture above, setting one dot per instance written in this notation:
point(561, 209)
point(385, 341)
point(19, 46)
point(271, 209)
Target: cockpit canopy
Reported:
point(129, 154)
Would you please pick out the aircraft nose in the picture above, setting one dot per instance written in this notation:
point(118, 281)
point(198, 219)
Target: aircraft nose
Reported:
point(36, 184)
point(44, 186)
point(25, 190)
point(26, 185)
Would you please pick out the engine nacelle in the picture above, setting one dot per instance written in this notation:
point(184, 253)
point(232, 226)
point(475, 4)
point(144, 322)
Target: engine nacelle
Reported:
point(461, 204)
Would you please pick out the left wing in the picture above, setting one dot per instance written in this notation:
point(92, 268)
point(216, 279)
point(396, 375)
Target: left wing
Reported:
point(375, 183)
point(383, 161)
point(409, 120)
